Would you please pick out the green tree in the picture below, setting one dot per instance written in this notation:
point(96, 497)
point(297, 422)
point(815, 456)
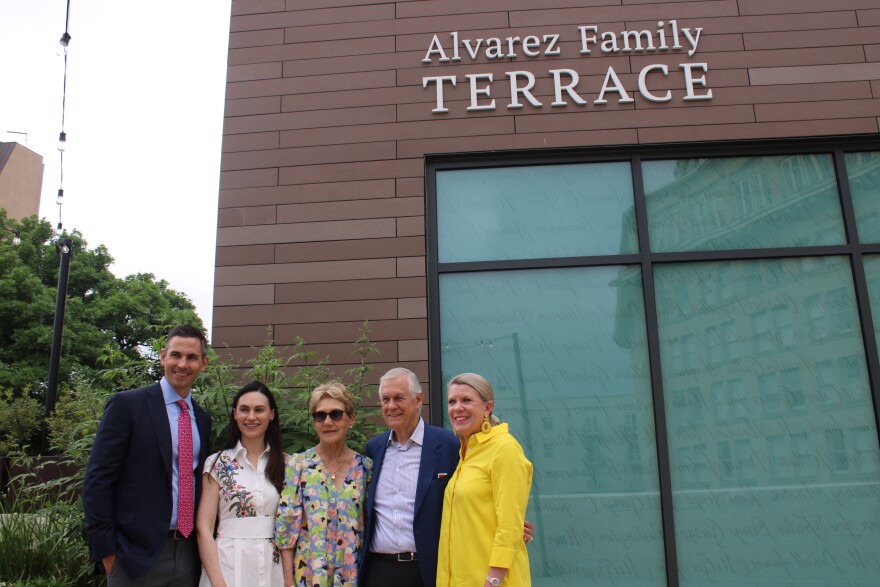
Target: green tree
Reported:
point(103, 312)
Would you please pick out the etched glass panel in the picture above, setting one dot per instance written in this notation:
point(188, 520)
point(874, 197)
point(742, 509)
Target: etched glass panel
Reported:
point(778, 482)
point(535, 212)
point(565, 350)
point(742, 203)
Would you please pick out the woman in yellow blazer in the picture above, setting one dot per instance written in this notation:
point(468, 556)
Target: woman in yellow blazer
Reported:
point(481, 534)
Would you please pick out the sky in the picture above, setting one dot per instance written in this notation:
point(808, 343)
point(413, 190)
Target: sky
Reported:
point(143, 117)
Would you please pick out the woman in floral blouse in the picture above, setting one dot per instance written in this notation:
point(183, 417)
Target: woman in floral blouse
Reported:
point(320, 523)
point(241, 486)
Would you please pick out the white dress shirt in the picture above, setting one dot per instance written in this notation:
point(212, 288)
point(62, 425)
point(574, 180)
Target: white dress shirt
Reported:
point(396, 494)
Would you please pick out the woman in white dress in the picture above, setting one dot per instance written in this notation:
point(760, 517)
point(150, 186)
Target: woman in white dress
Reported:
point(241, 486)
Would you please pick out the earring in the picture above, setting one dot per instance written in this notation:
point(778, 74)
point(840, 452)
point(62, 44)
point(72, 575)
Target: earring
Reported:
point(486, 426)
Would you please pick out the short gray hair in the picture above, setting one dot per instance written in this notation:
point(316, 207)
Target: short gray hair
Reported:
point(412, 380)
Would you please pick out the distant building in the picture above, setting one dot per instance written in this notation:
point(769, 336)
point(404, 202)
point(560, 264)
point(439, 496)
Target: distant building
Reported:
point(21, 180)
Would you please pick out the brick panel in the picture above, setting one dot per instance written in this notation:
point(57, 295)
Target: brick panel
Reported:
point(307, 156)
point(365, 289)
point(267, 105)
point(310, 18)
point(795, 6)
point(315, 83)
point(246, 216)
point(240, 73)
point(251, 142)
point(412, 350)
point(305, 232)
point(245, 255)
point(240, 7)
point(337, 331)
point(307, 312)
point(389, 207)
point(815, 74)
point(352, 171)
point(600, 14)
point(817, 110)
point(290, 120)
point(306, 272)
point(244, 295)
point(414, 226)
point(278, 51)
point(316, 192)
point(248, 178)
point(869, 17)
point(376, 248)
point(255, 39)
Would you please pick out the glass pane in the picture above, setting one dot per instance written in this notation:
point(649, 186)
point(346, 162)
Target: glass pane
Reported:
point(772, 442)
point(570, 374)
point(872, 275)
point(742, 203)
point(535, 212)
point(863, 171)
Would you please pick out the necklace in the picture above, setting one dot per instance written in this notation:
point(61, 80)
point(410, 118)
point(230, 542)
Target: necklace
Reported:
point(334, 470)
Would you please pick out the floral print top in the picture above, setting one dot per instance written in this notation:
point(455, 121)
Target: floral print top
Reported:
point(245, 494)
point(324, 525)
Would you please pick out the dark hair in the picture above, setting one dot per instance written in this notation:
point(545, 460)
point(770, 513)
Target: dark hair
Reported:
point(275, 466)
point(188, 331)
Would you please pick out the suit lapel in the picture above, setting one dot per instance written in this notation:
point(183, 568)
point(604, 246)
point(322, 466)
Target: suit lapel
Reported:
point(203, 423)
point(159, 416)
point(427, 465)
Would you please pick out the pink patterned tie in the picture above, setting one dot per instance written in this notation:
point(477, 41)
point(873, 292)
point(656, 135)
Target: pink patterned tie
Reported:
point(185, 491)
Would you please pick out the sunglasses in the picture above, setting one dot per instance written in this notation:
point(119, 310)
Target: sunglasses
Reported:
point(335, 415)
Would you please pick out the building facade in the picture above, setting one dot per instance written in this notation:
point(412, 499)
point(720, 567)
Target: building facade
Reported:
point(654, 226)
point(21, 179)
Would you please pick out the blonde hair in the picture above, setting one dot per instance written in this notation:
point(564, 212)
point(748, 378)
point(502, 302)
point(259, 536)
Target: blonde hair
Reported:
point(479, 384)
point(334, 390)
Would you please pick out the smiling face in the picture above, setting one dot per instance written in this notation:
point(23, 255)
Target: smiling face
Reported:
point(466, 409)
point(182, 360)
point(330, 432)
point(400, 409)
point(252, 415)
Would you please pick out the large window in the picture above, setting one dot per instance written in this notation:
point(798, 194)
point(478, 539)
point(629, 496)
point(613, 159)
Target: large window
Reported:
point(679, 342)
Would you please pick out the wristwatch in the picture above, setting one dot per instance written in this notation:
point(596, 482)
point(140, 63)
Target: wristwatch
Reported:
point(493, 581)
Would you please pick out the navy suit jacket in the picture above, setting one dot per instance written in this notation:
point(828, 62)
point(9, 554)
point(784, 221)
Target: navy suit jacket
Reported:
point(439, 457)
point(127, 488)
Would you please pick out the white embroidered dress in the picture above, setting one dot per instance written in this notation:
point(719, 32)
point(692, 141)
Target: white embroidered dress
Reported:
point(246, 529)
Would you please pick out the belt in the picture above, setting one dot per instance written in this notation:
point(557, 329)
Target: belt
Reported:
point(400, 557)
point(176, 535)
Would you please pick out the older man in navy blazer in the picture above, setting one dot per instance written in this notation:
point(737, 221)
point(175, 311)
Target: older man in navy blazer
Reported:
point(137, 499)
point(412, 463)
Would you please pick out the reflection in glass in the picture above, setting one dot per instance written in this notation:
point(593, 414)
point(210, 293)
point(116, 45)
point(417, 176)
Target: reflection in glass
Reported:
point(742, 203)
point(788, 491)
point(565, 350)
point(863, 171)
point(534, 212)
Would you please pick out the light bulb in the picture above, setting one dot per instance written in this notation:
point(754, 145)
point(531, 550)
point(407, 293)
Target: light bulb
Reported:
point(60, 199)
point(62, 141)
point(63, 42)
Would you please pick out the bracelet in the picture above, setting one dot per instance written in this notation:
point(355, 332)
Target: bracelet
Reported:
point(493, 581)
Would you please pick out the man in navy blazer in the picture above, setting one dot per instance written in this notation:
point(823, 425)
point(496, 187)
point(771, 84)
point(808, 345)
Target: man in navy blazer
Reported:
point(131, 483)
point(412, 463)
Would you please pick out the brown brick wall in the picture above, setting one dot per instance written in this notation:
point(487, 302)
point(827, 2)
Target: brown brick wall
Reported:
point(321, 220)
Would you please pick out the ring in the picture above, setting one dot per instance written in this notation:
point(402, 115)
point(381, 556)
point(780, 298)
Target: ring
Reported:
point(529, 539)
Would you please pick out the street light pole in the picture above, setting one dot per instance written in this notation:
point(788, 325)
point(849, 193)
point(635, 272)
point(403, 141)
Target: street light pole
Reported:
point(65, 249)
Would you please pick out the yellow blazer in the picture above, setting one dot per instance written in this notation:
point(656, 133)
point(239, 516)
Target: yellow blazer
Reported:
point(483, 512)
